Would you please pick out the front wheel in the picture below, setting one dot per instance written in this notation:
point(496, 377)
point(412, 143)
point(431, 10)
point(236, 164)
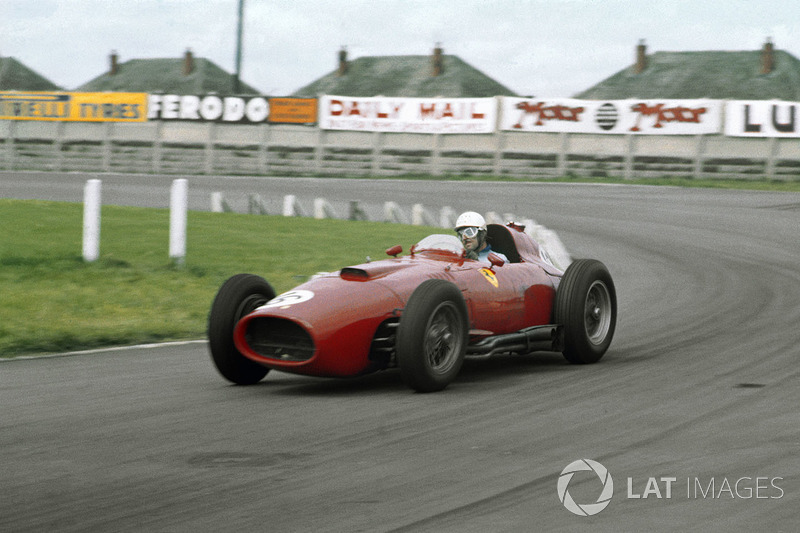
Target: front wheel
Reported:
point(432, 336)
point(237, 297)
point(586, 307)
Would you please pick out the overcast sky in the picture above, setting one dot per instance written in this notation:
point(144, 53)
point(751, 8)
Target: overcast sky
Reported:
point(534, 47)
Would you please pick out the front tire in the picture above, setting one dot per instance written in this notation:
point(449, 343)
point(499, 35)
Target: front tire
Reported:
point(237, 297)
point(586, 307)
point(432, 336)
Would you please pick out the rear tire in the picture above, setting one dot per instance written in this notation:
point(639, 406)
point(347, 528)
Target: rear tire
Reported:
point(432, 336)
point(237, 297)
point(586, 307)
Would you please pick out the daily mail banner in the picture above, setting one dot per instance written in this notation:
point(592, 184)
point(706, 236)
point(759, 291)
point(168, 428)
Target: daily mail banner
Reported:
point(642, 117)
point(78, 107)
point(232, 109)
point(762, 118)
point(408, 115)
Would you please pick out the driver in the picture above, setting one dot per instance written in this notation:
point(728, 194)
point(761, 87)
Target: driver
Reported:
point(471, 229)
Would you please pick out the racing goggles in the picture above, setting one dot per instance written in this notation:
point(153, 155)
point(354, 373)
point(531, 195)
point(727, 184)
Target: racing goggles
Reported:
point(469, 232)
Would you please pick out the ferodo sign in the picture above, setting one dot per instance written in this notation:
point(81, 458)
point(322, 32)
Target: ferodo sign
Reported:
point(232, 109)
point(210, 108)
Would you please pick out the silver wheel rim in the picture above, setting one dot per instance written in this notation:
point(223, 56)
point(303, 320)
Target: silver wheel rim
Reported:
point(597, 313)
point(443, 338)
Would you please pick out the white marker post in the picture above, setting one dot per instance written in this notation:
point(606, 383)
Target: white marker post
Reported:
point(178, 205)
point(91, 220)
point(216, 202)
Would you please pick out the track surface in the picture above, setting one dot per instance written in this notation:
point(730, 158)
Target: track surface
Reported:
point(700, 385)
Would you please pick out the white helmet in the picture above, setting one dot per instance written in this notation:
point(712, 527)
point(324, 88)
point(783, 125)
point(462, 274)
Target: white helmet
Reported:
point(470, 218)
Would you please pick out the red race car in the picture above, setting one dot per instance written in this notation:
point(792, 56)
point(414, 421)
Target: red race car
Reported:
point(423, 313)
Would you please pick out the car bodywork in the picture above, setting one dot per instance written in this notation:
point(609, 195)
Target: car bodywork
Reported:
point(346, 323)
point(328, 326)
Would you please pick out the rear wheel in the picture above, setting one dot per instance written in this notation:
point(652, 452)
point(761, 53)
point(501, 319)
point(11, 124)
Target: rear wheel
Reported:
point(432, 336)
point(586, 307)
point(238, 296)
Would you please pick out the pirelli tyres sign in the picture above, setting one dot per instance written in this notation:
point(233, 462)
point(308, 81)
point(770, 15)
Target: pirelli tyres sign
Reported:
point(73, 107)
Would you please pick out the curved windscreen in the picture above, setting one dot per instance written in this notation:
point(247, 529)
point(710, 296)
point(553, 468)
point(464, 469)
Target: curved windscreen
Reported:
point(440, 243)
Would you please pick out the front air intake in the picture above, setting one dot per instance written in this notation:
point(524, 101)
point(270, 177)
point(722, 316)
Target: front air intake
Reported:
point(277, 338)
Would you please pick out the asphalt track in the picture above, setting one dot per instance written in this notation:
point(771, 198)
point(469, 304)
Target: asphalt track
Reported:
point(697, 399)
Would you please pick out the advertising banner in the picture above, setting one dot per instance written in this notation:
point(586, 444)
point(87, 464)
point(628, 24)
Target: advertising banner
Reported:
point(762, 118)
point(79, 107)
point(642, 117)
point(293, 110)
point(232, 109)
point(208, 108)
point(408, 115)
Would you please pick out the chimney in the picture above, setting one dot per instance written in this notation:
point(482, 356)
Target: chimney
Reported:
point(641, 57)
point(114, 59)
point(767, 57)
point(436, 61)
point(188, 62)
point(342, 70)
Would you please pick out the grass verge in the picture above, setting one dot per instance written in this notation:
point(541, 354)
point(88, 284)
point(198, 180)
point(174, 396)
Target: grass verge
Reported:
point(53, 301)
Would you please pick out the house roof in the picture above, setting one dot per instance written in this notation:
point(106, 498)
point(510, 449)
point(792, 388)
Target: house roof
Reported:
point(407, 76)
point(166, 75)
point(718, 75)
point(14, 76)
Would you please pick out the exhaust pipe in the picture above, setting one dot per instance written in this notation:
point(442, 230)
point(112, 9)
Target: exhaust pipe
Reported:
point(534, 339)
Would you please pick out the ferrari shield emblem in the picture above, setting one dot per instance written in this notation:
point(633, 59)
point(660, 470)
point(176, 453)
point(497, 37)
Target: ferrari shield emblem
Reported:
point(489, 275)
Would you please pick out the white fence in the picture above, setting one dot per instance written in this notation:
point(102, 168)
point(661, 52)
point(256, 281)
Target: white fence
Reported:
point(221, 149)
point(322, 209)
point(417, 215)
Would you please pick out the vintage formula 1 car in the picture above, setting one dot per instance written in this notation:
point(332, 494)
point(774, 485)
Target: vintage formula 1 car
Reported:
point(423, 313)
